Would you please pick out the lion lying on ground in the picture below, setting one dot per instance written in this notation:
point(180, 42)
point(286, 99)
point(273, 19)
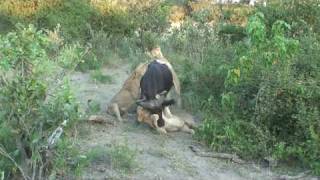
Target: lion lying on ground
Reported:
point(130, 91)
point(172, 123)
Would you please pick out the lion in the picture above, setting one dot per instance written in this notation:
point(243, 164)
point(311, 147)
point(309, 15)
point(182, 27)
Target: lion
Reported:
point(128, 94)
point(130, 91)
point(172, 123)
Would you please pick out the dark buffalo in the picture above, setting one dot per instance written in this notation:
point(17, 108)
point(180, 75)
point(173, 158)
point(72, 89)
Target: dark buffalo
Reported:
point(155, 84)
point(156, 79)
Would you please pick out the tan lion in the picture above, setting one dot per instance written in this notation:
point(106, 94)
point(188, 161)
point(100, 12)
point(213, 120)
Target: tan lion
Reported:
point(130, 91)
point(128, 94)
point(172, 123)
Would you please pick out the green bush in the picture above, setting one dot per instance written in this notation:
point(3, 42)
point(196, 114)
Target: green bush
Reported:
point(302, 15)
point(117, 23)
point(151, 21)
point(29, 110)
point(270, 97)
point(197, 53)
point(72, 15)
point(6, 23)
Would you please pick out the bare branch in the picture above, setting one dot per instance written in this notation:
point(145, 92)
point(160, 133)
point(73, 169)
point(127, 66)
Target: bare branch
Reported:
point(232, 157)
point(5, 154)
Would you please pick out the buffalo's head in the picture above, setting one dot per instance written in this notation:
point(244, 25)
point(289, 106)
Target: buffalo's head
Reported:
point(156, 104)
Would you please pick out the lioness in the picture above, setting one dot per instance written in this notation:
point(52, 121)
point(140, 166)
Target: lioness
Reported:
point(172, 123)
point(128, 94)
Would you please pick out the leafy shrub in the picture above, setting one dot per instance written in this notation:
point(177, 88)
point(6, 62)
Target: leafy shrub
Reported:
point(29, 111)
point(72, 15)
point(101, 50)
point(6, 23)
point(117, 23)
point(71, 55)
point(197, 53)
point(270, 110)
point(302, 15)
point(68, 163)
point(151, 21)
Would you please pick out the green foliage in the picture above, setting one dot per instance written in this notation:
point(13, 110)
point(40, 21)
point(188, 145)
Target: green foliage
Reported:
point(234, 136)
point(122, 158)
point(71, 55)
point(100, 52)
point(99, 153)
point(97, 76)
point(259, 95)
point(117, 23)
point(6, 23)
point(302, 15)
point(270, 109)
point(72, 15)
point(232, 32)
point(93, 107)
point(28, 114)
point(152, 18)
point(151, 22)
point(68, 163)
point(197, 63)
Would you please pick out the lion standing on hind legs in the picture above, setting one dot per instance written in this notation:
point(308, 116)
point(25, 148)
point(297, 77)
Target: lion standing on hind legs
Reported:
point(126, 98)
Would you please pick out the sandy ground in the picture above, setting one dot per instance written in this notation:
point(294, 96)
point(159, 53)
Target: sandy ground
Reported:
point(159, 156)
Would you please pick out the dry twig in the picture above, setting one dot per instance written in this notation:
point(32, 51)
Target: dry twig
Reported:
point(5, 154)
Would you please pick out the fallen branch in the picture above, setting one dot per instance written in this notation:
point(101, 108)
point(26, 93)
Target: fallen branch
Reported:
point(231, 157)
point(99, 119)
point(236, 159)
point(299, 176)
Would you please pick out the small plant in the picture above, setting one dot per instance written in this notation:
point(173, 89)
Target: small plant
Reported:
point(123, 158)
point(120, 156)
point(98, 154)
point(97, 76)
point(68, 163)
point(93, 107)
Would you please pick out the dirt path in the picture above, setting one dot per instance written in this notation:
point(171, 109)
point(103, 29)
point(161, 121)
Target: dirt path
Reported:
point(158, 156)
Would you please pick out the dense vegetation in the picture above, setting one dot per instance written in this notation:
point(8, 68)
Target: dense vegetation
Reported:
point(255, 83)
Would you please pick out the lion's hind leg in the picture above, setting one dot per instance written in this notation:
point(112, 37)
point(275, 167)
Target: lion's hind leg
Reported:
point(186, 129)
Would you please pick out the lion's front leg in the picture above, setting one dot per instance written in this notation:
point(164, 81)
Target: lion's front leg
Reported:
point(115, 109)
point(167, 112)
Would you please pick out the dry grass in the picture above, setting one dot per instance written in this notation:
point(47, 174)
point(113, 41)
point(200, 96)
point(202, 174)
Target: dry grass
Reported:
point(238, 12)
point(108, 6)
point(22, 8)
point(25, 9)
